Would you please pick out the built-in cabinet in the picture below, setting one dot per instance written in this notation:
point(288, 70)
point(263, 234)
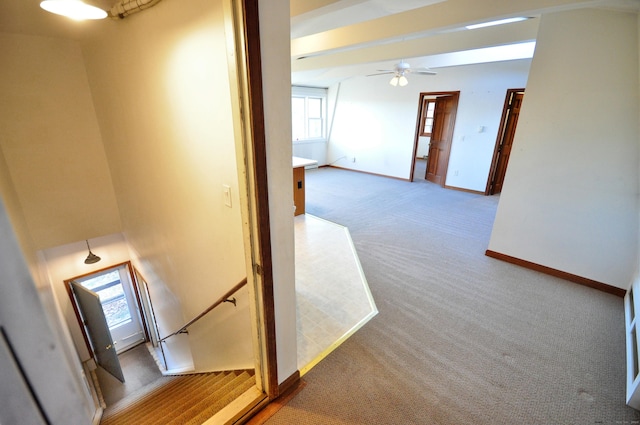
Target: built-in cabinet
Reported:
point(299, 165)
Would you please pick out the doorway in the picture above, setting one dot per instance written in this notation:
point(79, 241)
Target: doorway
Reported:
point(504, 142)
point(434, 135)
point(108, 309)
point(120, 305)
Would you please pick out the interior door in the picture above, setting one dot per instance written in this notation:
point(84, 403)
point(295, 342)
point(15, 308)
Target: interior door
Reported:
point(441, 138)
point(97, 330)
point(504, 147)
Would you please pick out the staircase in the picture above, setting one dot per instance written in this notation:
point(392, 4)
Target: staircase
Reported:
point(185, 399)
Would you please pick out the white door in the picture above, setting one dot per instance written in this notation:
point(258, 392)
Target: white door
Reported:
point(119, 305)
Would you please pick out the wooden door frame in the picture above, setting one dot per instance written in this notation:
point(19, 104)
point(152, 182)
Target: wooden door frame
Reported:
point(456, 95)
point(248, 65)
point(136, 289)
point(499, 137)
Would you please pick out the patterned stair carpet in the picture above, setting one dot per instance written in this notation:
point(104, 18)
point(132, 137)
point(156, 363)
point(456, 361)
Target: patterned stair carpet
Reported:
point(185, 399)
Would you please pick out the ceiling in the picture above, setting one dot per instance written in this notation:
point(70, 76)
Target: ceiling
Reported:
point(336, 39)
point(333, 40)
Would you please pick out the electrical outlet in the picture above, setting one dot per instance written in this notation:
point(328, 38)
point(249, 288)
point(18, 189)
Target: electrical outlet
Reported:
point(455, 173)
point(226, 191)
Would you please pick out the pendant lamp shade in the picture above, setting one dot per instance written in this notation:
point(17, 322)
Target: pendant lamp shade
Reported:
point(74, 9)
point(91, 258)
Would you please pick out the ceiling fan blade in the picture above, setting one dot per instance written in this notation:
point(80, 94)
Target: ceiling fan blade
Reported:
point(424, 72)
point(422, 69)
point(382, 73)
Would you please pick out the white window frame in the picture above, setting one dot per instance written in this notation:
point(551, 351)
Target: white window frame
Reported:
point(316, 93)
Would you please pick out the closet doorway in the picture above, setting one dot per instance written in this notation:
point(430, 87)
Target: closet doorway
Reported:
point(502, 151)
point(434, 134)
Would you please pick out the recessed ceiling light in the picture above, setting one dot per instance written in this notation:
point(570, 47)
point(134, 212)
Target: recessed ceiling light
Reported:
point(498, 22)
point(74, 9)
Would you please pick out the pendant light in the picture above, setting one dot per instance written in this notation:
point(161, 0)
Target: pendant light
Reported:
point(74, 9)
point(91, 258)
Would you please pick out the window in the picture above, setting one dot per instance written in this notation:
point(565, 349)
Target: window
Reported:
point(308, 112)
point(112, 297)
point(120, 304)
point(426, 120)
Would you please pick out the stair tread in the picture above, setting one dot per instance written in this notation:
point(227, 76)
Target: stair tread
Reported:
point(211, 401)
point(185, 399)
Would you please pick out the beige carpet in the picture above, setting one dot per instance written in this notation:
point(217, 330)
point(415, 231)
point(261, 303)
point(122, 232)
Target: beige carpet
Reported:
point(187, 399)
point(460, 338)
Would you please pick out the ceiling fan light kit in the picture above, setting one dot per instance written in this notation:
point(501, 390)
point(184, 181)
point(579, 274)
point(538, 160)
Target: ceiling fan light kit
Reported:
point(399, 80)
point(400, 72)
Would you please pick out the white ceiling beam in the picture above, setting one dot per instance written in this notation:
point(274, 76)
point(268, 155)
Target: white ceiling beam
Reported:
point(440, 43)
point(439, 17)
point(299, 7)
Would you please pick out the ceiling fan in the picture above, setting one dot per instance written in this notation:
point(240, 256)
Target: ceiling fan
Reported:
point(400, 72)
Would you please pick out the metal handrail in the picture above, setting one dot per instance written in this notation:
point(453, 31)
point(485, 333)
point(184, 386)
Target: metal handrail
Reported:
point(222, 299)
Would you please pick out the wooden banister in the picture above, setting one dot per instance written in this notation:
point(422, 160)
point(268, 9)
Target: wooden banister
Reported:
point(222, 299)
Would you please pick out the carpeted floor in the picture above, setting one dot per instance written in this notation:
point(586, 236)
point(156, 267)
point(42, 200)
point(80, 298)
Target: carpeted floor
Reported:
point(460, 338)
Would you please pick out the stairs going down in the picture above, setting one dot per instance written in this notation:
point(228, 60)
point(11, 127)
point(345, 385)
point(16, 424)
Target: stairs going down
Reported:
point(183, 399)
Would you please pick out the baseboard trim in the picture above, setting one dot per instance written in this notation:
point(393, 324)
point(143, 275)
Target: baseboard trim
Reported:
point(367, 172)
point(287, 390)
point(557, 273)
point(462, 189)
point(289, 383)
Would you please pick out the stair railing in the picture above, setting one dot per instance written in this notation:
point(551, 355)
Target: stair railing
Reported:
point(223, 299)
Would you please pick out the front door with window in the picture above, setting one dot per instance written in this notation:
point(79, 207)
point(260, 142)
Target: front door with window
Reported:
point(119, 304)
point(97, 329)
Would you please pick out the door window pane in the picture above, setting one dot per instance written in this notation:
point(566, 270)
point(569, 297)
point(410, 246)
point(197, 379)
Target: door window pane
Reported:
point(112, 297)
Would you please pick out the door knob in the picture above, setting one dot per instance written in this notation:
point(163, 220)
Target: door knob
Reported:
point(108, 347)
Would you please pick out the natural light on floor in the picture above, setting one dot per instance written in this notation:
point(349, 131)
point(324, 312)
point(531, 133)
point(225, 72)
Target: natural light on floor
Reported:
point(332, 296)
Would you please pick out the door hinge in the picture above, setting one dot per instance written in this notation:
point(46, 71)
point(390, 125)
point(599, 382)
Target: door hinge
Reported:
point(257, 268)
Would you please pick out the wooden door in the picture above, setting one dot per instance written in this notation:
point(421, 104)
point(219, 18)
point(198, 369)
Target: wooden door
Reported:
point(504, 145)
point(441, 138)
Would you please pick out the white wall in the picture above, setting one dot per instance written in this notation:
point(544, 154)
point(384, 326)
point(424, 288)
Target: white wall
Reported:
point(50, 138)
point(35, 337)
point(570, 197)
point(67, 261)
point(161, 90)
point(423, 147)
point(377, 127)
point(311, 149)
point(274, 39)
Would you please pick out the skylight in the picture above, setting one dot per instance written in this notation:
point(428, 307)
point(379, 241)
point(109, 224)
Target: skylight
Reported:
point(483, 55)
point(498, 22)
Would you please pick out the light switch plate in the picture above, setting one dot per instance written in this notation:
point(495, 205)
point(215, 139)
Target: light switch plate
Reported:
point(226, 190)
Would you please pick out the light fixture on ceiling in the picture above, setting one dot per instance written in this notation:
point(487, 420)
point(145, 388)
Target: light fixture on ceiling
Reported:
point(74, 9)
point(399, 80)
point(498, 22)
point(91, 258)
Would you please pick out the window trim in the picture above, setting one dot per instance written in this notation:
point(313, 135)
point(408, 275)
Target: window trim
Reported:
point(306, 93)
point(423, 118)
